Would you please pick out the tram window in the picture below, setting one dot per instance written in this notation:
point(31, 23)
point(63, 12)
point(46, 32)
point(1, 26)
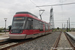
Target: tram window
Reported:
point(35, 24)
point(29, 23)
point(41, 26)
point(46, 26)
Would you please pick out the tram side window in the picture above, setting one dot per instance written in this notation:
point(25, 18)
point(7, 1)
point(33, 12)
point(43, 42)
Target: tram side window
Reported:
point(29, 23)
point(46, 25)
point(35, 24)
point(41, 26)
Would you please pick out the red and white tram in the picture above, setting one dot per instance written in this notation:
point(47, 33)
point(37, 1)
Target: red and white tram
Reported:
point(26, 25)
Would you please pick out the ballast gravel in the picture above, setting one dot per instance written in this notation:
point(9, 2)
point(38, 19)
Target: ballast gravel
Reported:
point(42, 43)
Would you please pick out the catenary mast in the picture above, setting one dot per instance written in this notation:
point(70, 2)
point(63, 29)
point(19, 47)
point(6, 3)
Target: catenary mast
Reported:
point(51, 19)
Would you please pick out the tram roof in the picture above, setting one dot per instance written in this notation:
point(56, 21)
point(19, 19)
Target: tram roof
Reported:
point(28, 14)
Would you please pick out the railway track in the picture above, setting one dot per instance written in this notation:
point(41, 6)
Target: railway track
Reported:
point(7, 44)
point(56, 43)
point(58, 46)
point(12, 43)
point(71, 41)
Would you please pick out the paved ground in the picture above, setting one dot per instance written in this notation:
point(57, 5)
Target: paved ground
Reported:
point(73, 33)
point(42, 43)
point(4, 36)
point(63, 43)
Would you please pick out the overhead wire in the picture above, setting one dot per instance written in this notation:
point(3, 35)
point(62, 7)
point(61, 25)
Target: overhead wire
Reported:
point(35, 4)
point(56, 4)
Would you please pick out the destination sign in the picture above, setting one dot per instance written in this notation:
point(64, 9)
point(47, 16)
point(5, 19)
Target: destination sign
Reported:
point(19, 18)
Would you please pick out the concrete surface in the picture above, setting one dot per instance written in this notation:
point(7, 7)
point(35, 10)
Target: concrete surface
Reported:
point(63, 43)
point(72, 34)
point(4, 36)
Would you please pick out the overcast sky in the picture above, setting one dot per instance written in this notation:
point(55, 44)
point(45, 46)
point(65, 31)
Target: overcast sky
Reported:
point(8, 8)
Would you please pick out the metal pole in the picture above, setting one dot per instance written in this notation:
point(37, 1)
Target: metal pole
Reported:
point(5, 26)
point(41, 13)
point(67, 25)
point(40, 17)
point(62, 26)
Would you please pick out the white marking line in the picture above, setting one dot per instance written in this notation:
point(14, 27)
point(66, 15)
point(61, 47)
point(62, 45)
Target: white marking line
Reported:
point(6, 45)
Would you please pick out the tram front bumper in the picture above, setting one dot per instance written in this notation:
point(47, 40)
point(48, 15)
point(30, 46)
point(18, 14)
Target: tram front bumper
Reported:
point(17, 36)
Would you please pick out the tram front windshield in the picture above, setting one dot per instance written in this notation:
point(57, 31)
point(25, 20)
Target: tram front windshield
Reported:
point(18, 23)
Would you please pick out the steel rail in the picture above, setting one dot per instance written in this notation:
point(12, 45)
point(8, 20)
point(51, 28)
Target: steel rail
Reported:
point(17, 43)
point(68, 38)
point(56, 42)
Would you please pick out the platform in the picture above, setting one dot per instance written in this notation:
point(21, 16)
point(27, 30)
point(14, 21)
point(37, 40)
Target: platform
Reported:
point(4, 36)
point(71, 34)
